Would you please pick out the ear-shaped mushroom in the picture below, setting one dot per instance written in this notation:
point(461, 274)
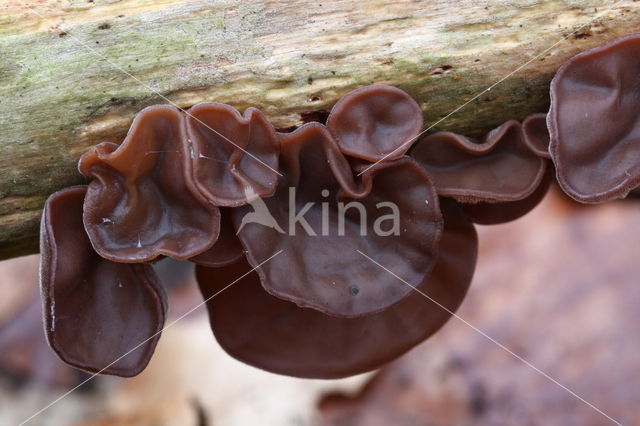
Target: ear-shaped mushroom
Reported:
point(500, 169)
point(320, 218)
point(536, 134)
point(95, 310)
point(227, 249)
point(235, 157)
point(375, 122)
point(594, 122)
point(280, 337)
point(143, 201)
point(496, 213)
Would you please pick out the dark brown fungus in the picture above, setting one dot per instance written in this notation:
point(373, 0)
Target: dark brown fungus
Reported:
point(305, 209)
point(496, 213)
point(594, 122)
point(536, 134)
point(95, 310)
point(143, 201)
point(280, 337)
point(500, 169)
point(375, 122)
point(227, 249)
point(235, 158)
point(393, 217)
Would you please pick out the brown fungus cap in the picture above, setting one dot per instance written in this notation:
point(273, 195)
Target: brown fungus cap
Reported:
point(278, 336)
point(500, 169)
point(320, 266)
point(95, 310)
point(536, 134)
point(594, 122)
point(227, 249)
point(143, 201)
point(375, 122)
point(496, 213)
point(235, 158)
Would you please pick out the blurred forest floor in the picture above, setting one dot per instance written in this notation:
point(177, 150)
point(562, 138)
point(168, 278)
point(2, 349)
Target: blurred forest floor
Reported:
point(558, 287)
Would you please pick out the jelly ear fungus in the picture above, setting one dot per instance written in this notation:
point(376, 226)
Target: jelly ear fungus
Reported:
point(311, 272)
point(143, 201)
point(496, 180)
point(376, 122)
point(499, 169)
point(594, 122)
point(235, 157)
point(227, 249)
point(95, 310)
point(278, 336)
point(194, 187)
point(536, 134)
point(484, 213)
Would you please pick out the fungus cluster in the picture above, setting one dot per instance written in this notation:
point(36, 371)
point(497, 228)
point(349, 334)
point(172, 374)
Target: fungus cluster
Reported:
point(327, 251)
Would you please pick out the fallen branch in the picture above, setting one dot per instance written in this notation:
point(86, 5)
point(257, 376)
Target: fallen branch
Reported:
point(76, 75)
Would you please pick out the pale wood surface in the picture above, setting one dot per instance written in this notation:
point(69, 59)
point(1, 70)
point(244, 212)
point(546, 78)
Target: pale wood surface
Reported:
point(63, 89)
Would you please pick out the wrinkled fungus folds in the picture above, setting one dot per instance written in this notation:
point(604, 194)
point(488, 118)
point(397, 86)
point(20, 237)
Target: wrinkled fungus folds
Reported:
point(281, 337)
point(594, 122)
point(143, 201)
point(500, 169)
point(95, 310)
point(227, 249)
point(536, 134)
point(497, 213)
point(311, 271)
point(308, 210)
point(375, 122)
point(235, 158)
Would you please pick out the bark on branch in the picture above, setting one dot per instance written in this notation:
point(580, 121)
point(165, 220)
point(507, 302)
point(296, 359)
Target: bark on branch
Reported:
point(73, 73)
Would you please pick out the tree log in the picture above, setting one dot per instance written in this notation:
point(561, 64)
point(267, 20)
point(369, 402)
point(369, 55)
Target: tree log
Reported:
point(74, 72)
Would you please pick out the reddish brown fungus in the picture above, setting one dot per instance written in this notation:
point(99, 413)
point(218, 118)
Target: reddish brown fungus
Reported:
point(495, 213)
point(227, 249)
point(500, 169)
point(143, 201)
point(235, 158)
point(375, 122)
point(279, 336)
point(320, 263)
point(96, 311)
point(305, 209)
point(594, 122)
point(536, 134)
